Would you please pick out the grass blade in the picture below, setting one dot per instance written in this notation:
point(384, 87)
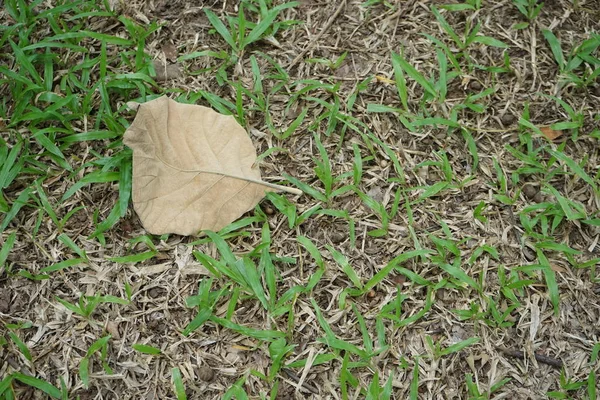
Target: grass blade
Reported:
point(574, 167)
point(446, 26)
point(306, 188)
point(7, 165)
point(201, 318)
point(229, 258)
point(400, 80)
point(414, 382)
point(84, 371)
point(24, 63)
point(221, 29)
point(259, 29)
point(44, 386)
point(22, 346)
point(267, 335)
point(460, 275)
point(134, 258)
point(490, 41)
point(178, 383)
point(93, 177)
point(416, 75)
point(346, 267)
point(555, 47)
point(331, 340)
point(97, 345)
point(146, 349)
point(6, 248)
point(16, 207)
point(458, 346)
point(393, 264)
point(125, 184)
point(550, 277)
point(62, 265)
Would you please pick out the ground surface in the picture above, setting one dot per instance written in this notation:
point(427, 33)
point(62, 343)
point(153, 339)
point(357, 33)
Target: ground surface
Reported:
point(454, 236)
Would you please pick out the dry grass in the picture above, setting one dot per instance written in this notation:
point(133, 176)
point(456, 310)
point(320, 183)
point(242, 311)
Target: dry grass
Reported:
point(213, 358)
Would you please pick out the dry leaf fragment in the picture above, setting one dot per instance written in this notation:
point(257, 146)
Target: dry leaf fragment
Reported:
point(384, 79)
point(166, 71)
point(112, 327)
point(550, 133)
point(133, 105)
point(192, 168)
point(170, 52)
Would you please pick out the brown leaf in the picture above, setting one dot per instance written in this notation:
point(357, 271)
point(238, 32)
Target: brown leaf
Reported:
point(192, 168)
point(550, 133)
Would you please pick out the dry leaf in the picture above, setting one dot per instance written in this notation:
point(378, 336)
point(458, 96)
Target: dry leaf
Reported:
point(550, 133)
point(192, 168)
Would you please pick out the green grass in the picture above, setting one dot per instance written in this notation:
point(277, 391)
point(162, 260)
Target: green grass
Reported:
point(66, 86)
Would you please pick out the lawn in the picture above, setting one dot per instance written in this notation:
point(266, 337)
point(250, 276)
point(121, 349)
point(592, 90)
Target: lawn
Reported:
point(445, 244)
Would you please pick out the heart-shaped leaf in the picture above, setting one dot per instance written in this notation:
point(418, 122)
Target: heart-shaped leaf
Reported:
point(193, 168)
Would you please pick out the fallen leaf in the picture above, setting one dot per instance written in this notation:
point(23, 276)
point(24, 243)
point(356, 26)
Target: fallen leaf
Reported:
point(193, 168)
point(550, 133)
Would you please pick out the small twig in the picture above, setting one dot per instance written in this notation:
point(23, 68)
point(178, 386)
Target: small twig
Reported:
point(323, 31)
point(587, 10)
point(476, 129)
point(554, 362)
point(296, 379)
